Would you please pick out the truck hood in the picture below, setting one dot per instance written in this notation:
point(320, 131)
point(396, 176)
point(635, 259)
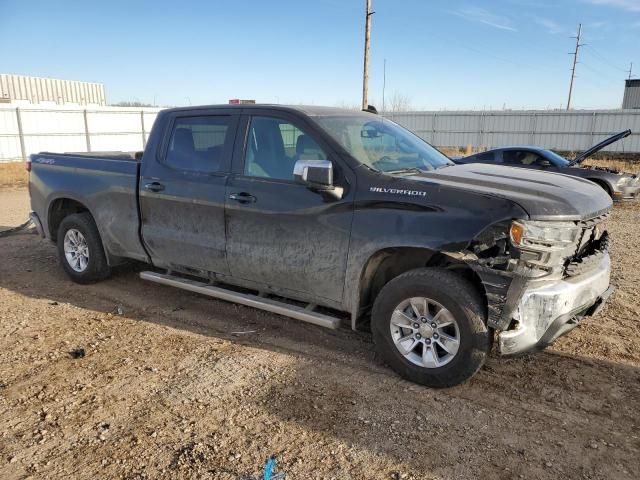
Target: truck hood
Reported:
point(543, 195)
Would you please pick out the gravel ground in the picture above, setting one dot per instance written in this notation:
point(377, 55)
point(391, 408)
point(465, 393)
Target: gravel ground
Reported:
point(14, 207)
point(126, 379)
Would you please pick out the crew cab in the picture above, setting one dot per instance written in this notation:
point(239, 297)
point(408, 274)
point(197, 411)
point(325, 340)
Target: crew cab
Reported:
point(619, 185)
point(333, 216)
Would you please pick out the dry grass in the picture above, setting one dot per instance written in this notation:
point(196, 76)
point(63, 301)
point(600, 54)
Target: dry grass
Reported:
point(622, 165)
point(13, 174)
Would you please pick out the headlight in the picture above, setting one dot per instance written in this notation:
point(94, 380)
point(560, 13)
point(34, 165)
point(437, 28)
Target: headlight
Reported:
point(542, 234)
point(625, 181)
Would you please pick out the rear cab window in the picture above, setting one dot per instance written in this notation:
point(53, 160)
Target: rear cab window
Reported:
point(198, 143)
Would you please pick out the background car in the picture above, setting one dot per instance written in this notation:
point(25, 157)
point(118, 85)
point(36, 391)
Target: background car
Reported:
point(619, 185)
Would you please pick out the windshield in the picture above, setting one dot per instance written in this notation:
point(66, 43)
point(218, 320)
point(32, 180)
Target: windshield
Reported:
point(381, 144)
point(557, 160)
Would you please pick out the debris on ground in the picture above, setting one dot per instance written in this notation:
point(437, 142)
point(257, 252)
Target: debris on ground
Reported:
point(77, 353)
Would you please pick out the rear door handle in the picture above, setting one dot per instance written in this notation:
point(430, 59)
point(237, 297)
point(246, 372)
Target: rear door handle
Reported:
point(154, 187)
point(243, 197)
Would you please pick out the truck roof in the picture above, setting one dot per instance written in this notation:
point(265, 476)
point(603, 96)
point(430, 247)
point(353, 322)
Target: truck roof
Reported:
point(310, 110)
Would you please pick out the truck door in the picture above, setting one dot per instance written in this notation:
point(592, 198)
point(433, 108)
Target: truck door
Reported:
point(182, 192)
point(281, 233)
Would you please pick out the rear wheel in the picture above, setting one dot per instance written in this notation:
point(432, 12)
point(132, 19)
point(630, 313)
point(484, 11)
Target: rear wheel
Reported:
point(429, 326)
point(80, 249)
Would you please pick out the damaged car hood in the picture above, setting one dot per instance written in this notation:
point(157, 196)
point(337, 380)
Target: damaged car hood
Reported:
point(543, 195)
point(599, 146)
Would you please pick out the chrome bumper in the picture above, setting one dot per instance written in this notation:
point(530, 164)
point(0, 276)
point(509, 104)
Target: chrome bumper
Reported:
point(550, 310)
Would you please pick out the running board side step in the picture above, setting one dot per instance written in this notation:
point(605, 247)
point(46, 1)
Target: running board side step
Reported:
point(255, 301)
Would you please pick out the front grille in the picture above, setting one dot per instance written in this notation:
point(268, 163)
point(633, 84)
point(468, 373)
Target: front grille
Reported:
point(590, 257)
point(591, 247)
point(592, 222)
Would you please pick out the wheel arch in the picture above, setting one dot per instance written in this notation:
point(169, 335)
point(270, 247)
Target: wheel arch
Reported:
point(63, 206)
point(388, 263)
point(59, 209)
point(602, 183)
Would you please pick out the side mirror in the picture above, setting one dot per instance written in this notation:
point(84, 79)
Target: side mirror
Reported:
point(544, 163)
point(317, 174)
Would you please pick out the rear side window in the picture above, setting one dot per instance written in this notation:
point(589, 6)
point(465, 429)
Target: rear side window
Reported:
point(197, 143)
point(487, 157)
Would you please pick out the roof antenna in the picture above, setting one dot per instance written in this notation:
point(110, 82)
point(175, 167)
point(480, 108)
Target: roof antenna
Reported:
point(384, 82)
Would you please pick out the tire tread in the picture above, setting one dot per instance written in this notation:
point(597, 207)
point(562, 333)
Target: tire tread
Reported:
point(465, 296)
point(98, 268)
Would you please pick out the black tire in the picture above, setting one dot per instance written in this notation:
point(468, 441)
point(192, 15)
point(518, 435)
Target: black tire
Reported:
point(455, 294)
point(97, 267)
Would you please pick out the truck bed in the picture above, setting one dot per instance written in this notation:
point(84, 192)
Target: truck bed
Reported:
point(115, 155)
point(106, 183)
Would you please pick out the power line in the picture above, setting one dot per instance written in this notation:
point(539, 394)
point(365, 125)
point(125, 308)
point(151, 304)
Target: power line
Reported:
point(599, 78)
point(451, 41)
point(603, 59)
point(575, 61)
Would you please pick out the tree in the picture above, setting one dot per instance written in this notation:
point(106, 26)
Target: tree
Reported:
point(132, 104)
point(399, 102)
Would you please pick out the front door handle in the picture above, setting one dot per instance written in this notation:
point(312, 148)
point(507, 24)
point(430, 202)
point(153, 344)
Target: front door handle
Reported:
point(242, 197)
point(154, 187)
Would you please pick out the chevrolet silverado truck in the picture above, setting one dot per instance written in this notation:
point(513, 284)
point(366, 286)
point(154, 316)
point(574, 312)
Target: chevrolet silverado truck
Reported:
point(332, 216)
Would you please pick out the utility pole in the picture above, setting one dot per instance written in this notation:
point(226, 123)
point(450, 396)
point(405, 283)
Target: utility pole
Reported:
point(630, 70)
point(367, 37)
point(575, 61)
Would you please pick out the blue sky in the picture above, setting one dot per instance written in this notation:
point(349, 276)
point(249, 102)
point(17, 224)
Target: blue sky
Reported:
point(441, 54)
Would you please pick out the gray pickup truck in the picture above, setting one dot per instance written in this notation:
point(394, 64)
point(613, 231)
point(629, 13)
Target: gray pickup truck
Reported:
point(331, 216)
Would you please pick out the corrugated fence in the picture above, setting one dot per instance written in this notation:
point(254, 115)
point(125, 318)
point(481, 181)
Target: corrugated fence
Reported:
point(27, 130)
point(31, 129)
point(561, 130)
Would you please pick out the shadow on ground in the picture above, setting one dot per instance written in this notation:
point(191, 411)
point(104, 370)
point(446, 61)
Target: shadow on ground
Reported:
point(547, 415)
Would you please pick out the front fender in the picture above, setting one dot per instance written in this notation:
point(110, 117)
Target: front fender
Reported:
point(448, 230)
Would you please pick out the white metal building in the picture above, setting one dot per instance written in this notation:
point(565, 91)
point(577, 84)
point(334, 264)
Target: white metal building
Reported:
point(37, 90)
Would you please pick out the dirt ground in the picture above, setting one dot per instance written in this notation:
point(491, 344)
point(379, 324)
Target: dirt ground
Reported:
point(174, 385)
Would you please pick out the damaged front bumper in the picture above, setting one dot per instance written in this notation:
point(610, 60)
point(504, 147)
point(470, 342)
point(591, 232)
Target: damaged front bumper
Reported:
point(547, 310)
point(630, 192)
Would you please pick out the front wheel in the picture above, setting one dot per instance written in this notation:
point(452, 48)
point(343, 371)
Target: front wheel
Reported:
point(80, 249)
point(429, 325)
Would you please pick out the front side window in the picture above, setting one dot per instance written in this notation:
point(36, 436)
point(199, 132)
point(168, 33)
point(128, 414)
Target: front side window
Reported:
point(274, 146)
point(382, 144)
point(197, 143)
point(521, 157)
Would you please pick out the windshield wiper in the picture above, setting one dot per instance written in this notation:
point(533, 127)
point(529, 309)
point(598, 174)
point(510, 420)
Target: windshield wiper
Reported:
point(405, 170)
